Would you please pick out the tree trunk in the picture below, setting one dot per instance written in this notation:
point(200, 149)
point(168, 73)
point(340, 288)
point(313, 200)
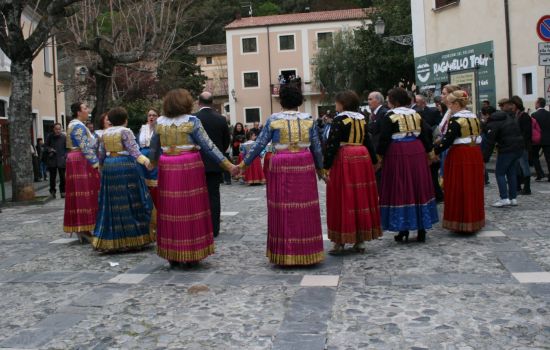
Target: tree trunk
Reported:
point(102, 93)
point(20, 117)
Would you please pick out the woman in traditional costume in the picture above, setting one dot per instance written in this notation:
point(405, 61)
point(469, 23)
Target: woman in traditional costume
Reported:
point(254, 174)
point(82, 176)
point(405, 149)
point(144, 139)
point(464, 169)
point(353, 214)
point(294, 235)
point(124, 201)
point(184, 225)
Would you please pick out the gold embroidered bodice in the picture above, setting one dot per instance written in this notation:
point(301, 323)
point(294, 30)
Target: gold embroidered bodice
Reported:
point(469, 127)
point(113, 142)
point(293, 130)
point(173, 135)
point(408, 123)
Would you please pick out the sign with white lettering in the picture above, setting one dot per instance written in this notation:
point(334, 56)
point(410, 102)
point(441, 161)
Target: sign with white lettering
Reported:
point(435, 69)
point(544, 60)
point(547, 89)
point(544, 48)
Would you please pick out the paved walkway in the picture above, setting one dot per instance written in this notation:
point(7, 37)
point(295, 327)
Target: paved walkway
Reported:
point(485, 291)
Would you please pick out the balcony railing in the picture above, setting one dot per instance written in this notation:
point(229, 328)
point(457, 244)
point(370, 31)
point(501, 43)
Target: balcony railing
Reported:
point(306, 88)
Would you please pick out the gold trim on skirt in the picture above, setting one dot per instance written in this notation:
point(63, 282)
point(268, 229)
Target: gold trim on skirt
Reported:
point(183, 256)
point(71, 229)
point(309, 259)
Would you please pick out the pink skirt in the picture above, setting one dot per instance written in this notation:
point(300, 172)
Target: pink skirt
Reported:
point(81, 194)
point(294, 235)
point(184, 226)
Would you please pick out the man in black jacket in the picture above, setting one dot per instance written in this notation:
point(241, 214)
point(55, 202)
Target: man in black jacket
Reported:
point(524, 122)
point(504, 132)
point(216, 127)
point(542, 116)
point(56, 151)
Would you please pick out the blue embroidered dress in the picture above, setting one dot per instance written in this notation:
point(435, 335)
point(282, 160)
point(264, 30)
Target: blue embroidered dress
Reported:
point(124, 202)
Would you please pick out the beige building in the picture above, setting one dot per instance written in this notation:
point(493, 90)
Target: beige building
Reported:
point(466, 42)
point(213, 62)
point(260, 50)
point(47, 102)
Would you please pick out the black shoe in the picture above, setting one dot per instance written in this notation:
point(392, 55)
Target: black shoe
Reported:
point(539, 178)
point(401, 235)
point(421, 236)
point(62, 194)
point(525, 192)
point(228, 182)
point(52, 194)
point(174, 264)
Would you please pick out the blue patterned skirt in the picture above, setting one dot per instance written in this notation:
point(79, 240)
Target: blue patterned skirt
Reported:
point(407, 195)
point(125, 207)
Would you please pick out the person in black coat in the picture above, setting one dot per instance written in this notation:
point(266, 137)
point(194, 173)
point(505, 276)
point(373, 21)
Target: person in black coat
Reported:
point(542, 116)
point(524, 122)
point(216, 127)
point(56, 152)
point(504, 133)
point(432, 117)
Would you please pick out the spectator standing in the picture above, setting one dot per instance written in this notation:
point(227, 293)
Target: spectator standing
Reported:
point(524, 122)
point(542, 116)
point(377, 111)
point(55, 147)
point(217, 130)
point(503, 131)
point(239, 136)
point(41, 155)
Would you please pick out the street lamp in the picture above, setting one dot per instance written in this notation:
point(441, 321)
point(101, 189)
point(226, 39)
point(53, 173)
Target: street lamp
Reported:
point(380, 28)
point(234, 95)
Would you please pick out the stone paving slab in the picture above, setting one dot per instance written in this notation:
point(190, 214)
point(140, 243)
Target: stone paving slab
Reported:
point(453, 292)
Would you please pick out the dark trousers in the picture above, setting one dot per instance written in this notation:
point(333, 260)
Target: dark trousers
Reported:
point(434, 169)
point(506, 174)
point(53, 178)
point(535, 156)
point(36, 168)
point(213, 181)
point(227, 174)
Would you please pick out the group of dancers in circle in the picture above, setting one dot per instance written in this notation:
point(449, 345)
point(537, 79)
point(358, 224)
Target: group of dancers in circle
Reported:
point(121, 196)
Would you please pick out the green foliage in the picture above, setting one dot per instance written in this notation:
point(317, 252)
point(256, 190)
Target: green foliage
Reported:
point(137, 111)
point(267, 9)
point(181, 71)
point(366, 62)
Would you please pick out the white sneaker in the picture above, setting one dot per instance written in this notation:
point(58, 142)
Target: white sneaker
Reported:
point(502, 203)
point(514, 202)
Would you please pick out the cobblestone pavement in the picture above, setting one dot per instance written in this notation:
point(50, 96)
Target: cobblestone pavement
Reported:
point(485, 291)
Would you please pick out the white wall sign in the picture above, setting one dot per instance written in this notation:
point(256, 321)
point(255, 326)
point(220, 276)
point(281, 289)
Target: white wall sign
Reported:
point(547, 89)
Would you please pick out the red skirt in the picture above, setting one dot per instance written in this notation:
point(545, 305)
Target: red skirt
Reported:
point(464, 185)
point(254, 173)
point(353, 214)
point(184, 225)
point(81, 194)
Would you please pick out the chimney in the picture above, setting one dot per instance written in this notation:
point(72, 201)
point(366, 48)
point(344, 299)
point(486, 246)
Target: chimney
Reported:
point(238, 15)
point(199, 46)
point(307, 9)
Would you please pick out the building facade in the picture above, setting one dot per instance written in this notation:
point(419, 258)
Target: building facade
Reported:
point(48, 102)
point(489, 47)
point(262, 52)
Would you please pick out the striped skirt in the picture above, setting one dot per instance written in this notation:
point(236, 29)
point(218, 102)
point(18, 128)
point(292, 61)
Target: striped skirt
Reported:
point(294, 235)
point(184, 225)
point(125, 207)
point(81, 191)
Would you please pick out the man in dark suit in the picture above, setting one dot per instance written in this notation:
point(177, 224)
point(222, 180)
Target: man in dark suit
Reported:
point(542, 116)
point(432, 117)
point(375, 101)
point(216, 127)
point(377, 111)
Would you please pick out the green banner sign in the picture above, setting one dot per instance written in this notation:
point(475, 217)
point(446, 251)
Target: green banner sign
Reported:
point(436, 68)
